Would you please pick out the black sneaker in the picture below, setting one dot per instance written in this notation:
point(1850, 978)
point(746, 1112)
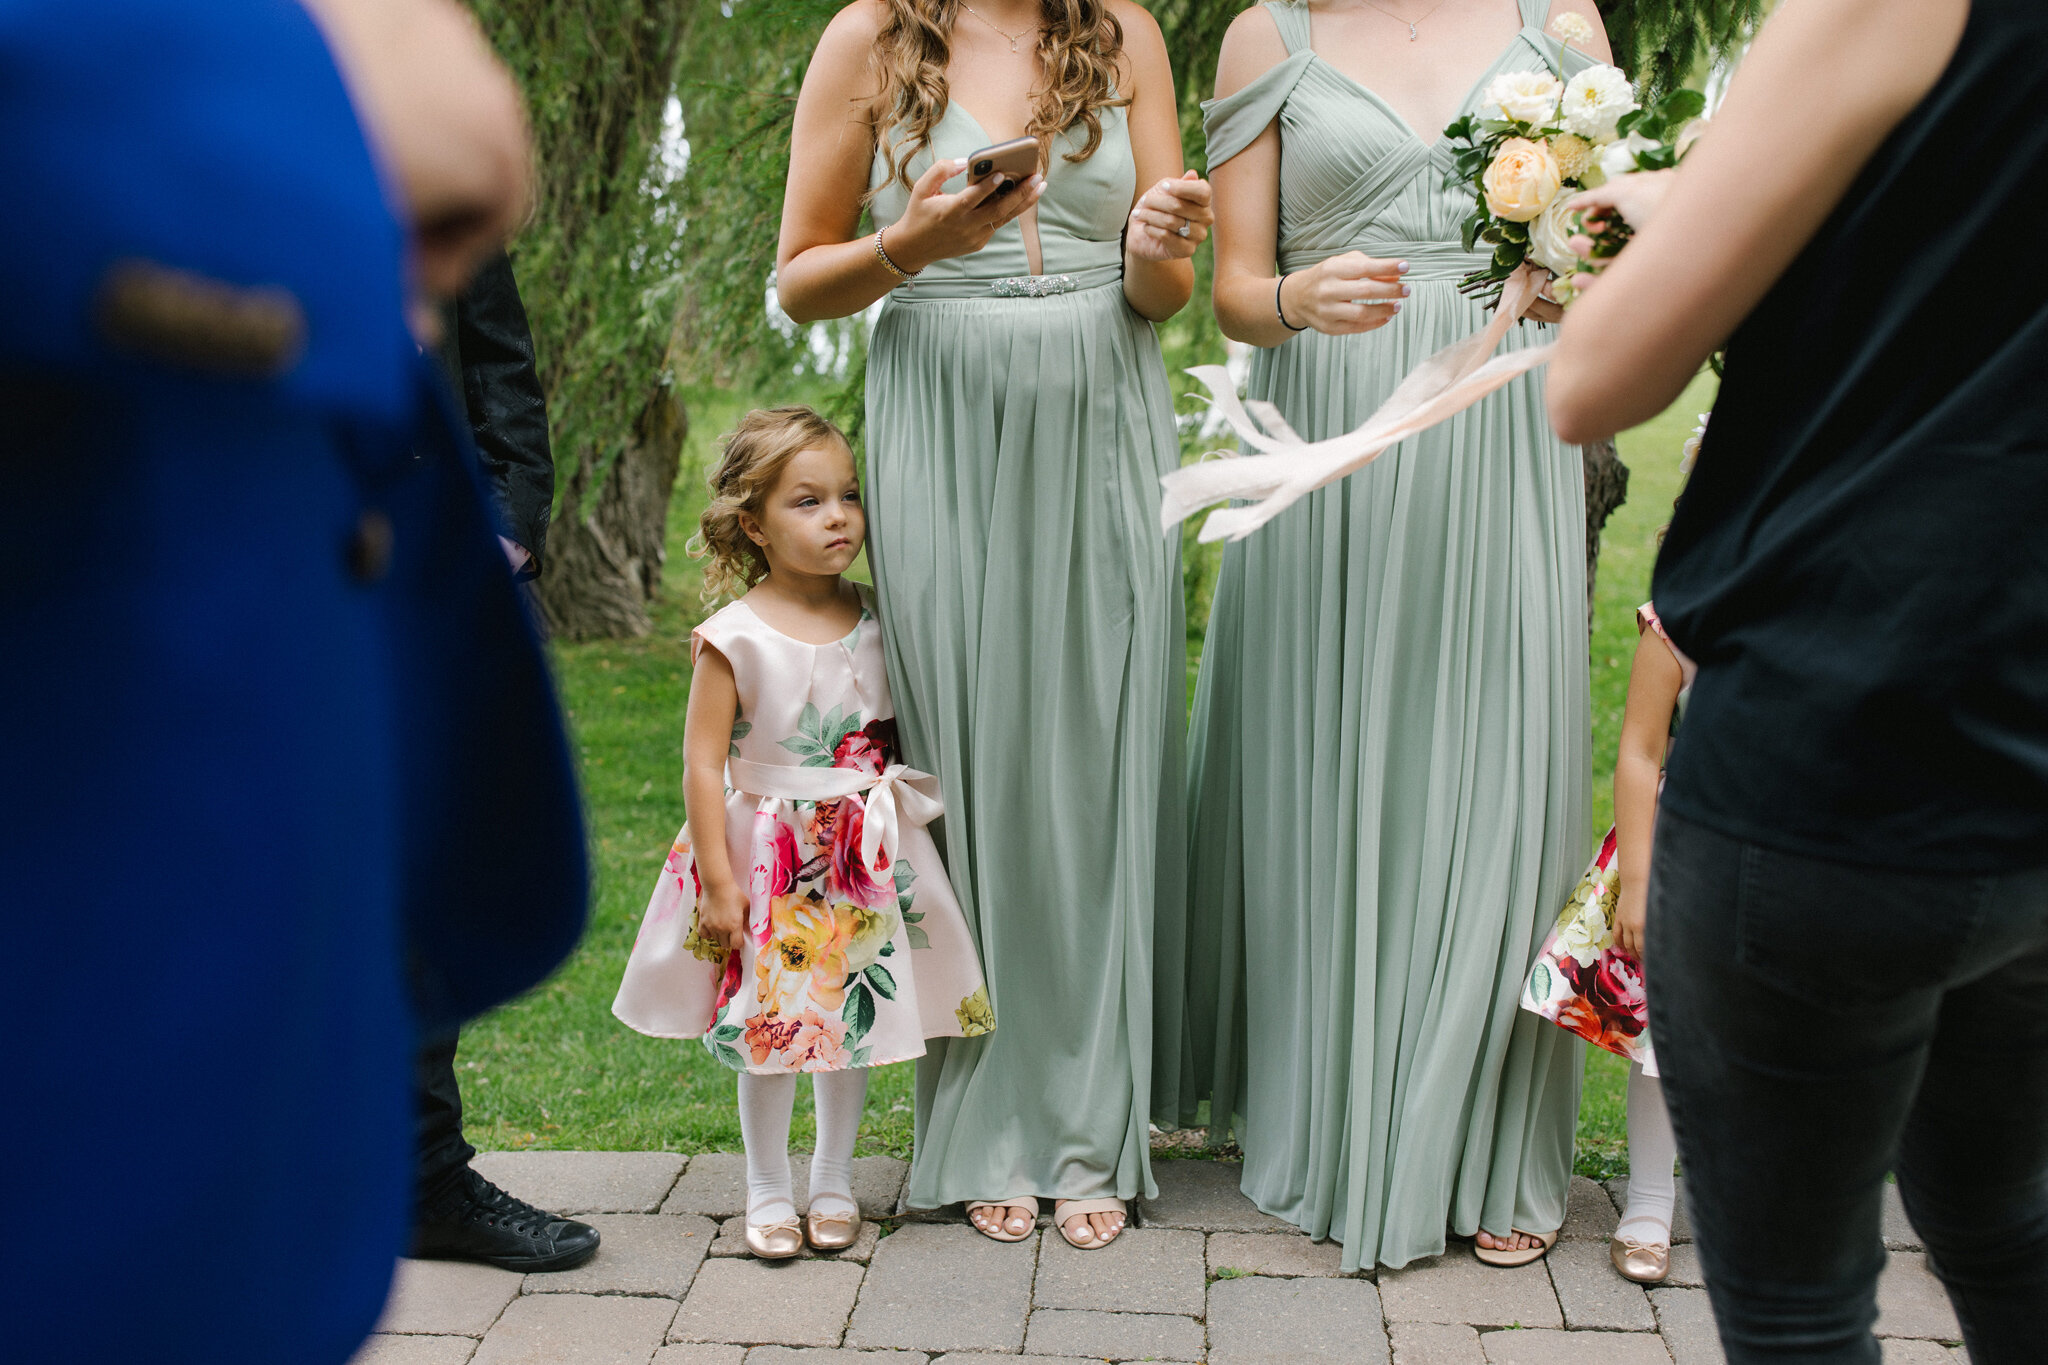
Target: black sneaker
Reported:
point(477, 1221)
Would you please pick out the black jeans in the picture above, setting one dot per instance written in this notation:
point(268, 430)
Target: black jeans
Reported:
point(1820, 1024)
point(443, 1154)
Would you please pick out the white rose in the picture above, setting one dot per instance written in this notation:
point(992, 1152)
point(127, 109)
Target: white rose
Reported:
point(1619, 158)
point(1522, 96)
point(1550, 239)
point(1595, 100)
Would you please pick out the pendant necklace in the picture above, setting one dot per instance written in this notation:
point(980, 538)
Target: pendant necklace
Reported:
point(1013, 37)
point(1412, 34)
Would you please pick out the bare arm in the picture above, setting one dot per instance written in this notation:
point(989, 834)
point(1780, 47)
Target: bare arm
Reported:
point(822, 269)
point(707, 739)
point(1159, 272)
point(1823, 85)
point(1248, 226)
point(446, 119)
point(1654, 681)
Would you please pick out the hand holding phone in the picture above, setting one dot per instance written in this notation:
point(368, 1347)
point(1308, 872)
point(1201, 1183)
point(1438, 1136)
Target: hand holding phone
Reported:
point(936, 226)
point(1013, 162)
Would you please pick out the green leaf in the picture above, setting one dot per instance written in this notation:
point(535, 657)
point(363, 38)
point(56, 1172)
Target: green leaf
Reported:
point(1471, 232)
point(807, 722)
point(884, 984)
point(728, 1056)
point(1539, 981)
point(1626, 124)
point(726, 1033)
point(888, 949)
point(1514, 232)
point(859, 1013)
point(1681, 105)
point(861, 1055)
point(917, 936)
point(1508, 255)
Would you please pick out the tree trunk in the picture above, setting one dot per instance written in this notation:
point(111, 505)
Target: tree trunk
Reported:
point(605, 567)
point(1606, 489)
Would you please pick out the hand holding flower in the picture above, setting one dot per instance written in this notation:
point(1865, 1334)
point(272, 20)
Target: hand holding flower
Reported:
point(722, 915)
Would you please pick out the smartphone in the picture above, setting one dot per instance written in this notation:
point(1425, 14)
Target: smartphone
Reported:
point(1016, 160)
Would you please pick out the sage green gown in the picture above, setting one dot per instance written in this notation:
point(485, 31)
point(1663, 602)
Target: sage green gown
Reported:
point(1389, 759)
point(1017, 429)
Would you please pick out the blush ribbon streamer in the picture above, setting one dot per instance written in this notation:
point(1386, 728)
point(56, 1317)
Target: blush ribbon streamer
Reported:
point(1287, 467)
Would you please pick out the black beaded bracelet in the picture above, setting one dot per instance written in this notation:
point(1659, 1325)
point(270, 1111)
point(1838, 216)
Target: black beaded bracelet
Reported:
point(1280, 312)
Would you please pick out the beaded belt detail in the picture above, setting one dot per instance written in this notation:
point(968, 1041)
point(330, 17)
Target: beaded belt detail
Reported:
point(1032, 286)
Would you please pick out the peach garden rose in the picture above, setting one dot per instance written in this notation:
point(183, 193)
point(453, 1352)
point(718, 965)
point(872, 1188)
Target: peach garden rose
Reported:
point(1522, 180)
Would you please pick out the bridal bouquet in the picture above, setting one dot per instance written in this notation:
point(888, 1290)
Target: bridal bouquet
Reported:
point(1536, 141)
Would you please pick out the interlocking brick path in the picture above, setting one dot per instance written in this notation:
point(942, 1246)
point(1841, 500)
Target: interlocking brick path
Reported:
point(1201, 1277)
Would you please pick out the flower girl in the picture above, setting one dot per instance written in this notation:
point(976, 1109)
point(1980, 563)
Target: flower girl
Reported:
point(803, 921)
point(1588, 976)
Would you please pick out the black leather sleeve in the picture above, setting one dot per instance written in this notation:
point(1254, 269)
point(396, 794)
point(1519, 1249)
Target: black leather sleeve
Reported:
point(507, 412)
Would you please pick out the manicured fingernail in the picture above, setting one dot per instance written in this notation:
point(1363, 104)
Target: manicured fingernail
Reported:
point(1406, 290)
point(1395, 309)
point(1403, 267)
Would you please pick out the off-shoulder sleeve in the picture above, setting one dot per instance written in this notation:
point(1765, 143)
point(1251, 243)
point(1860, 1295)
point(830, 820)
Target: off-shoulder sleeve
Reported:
point(1234, 122)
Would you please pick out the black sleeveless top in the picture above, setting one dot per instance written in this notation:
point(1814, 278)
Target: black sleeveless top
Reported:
point(1860, 564)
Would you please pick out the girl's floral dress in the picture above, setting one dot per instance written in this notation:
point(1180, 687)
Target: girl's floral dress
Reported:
point(855, 950)
point(1580, 980)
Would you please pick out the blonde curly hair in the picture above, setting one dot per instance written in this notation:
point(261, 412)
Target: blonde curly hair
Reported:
point(752, 458)
point(1079, 46)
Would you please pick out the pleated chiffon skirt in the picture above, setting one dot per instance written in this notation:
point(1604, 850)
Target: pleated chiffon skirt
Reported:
point(1390, 793)
point(1032, 612)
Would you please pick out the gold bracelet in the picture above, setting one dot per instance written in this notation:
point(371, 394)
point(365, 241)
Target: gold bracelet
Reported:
point(882, 255)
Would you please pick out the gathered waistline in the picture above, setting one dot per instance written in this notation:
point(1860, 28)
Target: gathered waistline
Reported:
point(1009, 286)
point(1426, 260)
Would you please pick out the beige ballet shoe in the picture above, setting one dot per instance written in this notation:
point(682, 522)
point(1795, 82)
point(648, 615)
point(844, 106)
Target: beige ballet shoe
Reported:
point(1509, 1259)
point(1066, 1210)
point(1001, 1231)
point(777, 1241)
point(1643, 1262)
point(832, 1231)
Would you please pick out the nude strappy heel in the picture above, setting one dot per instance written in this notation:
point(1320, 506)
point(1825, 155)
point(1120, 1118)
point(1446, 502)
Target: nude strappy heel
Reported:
point(1065, 1210)
point(1000, 1233)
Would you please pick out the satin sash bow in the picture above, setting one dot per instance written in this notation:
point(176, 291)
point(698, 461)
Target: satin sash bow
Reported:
point(897, 794)
point(1287, 467)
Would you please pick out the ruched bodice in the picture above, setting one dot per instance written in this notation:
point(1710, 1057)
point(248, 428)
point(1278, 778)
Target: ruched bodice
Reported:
point(1379, 188)
point(1080, 215)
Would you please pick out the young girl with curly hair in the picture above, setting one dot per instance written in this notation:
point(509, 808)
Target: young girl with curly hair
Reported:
point(803, 922)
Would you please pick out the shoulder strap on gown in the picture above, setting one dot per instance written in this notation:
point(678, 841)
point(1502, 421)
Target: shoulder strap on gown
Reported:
point(1233, 123)
point(1292, 21)
point(1535, 13)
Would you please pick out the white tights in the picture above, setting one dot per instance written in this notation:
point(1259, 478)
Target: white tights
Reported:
point(1652, 1148)
point(765, 1106)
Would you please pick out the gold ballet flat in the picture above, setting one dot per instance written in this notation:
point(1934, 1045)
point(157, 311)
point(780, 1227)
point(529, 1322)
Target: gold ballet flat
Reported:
point(832, 1231)
point(777, 1241)
point(1643, 1262)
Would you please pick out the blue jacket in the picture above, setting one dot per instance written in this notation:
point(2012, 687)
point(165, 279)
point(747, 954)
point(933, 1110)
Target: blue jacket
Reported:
point(280, 756)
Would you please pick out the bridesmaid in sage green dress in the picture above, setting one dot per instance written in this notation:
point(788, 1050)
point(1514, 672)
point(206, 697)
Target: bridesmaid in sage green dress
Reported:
point(1018, 422)
point(1390, 766)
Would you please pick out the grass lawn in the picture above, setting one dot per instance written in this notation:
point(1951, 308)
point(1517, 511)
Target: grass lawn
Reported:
point(554, 1069)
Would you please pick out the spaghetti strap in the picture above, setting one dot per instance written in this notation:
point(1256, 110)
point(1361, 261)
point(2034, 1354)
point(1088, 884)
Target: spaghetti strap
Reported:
point(1292, 21)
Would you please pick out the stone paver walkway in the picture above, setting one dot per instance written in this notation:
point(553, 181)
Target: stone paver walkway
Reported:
point(1202, 1276)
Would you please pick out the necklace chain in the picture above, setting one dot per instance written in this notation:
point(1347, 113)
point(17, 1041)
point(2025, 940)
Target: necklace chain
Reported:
point(1412, 34)
point(1013, 37)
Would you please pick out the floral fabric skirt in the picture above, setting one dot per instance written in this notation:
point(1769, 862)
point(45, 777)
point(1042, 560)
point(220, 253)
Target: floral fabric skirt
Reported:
point(1581, 981)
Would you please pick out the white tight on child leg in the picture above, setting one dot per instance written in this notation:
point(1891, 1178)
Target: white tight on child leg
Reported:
point(840, 1098)
point(1652, 1147)
point(765, 1105)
